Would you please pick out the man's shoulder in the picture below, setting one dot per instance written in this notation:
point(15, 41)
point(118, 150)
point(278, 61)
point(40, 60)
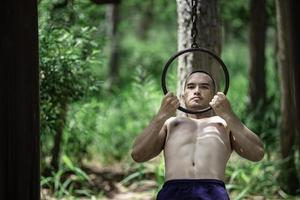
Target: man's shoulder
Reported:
point(218, 119)
point(169, 120)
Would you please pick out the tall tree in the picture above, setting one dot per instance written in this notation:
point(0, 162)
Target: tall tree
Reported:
point(112, 33)
point(57, 146)
point(19, 101)
point(209, 36)
point(258, 24)
point(286, 66)
point(146, 19)
point(112, 16)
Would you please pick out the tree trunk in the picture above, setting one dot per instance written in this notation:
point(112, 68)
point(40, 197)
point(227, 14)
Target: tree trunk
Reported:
point(56, 150)
point(146, 21)
point(288, 177)
point(209, 36)
point(257, 83)
point(112, 23)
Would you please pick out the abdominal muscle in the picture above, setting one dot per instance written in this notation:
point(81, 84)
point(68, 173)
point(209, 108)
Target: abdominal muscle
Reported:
point(196, 148)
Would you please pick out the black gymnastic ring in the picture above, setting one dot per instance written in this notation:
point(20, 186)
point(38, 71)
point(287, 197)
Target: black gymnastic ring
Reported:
point(163, 77)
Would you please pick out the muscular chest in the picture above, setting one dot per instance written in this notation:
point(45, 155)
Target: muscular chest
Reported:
point(184, 131)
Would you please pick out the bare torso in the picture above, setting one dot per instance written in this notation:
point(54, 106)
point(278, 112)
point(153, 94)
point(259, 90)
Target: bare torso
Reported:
point(196, 148)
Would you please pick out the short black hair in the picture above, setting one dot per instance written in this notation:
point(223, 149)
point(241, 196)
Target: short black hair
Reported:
point(200, 71)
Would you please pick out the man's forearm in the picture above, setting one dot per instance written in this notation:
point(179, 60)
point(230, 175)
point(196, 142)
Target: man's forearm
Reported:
point(246, 143)
point(149, 142)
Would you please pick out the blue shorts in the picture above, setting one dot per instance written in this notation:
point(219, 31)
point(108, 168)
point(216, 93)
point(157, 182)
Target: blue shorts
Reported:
point(193, 189)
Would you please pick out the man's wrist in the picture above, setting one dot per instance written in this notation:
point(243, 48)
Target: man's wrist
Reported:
point(161, 117)
point(229, 117)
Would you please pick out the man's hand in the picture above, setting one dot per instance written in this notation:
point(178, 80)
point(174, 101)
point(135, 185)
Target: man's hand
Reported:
point(169, 105)
point(221, 105)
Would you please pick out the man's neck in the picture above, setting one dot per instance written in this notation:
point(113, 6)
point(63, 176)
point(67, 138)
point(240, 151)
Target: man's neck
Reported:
point(209, 113)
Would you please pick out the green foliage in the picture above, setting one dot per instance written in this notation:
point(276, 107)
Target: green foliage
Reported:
point(271, 13)
point(67, 181)
point(246, 178)
point(160, 173)
point(66, 58)
point(235, 18)
point(139, 174)
point(112, 123)
point(101, 125)
point(235, 56)
point(148, 55)
point(164, 15)
point(264, 119)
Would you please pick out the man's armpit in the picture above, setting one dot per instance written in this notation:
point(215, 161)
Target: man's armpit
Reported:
point(164, 130)
point(163, 134)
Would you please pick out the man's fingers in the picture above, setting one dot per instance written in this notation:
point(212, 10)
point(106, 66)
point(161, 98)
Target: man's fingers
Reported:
point(221, 94)
point(171, 99)
point(214, 99)
point(176, 104)
point(169, 94)
point(174, 101)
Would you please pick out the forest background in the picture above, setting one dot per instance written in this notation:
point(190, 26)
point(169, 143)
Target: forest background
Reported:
point(100, 70)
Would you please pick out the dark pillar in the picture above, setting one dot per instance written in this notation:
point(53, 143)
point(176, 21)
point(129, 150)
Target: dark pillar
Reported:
point(19, 101)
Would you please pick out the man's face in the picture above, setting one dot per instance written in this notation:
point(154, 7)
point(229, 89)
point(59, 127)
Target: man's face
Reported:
point(198, 92)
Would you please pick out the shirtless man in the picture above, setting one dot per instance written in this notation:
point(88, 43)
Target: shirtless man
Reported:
point(198, 146)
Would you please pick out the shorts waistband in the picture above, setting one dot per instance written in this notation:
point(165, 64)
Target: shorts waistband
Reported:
point(194, 181)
